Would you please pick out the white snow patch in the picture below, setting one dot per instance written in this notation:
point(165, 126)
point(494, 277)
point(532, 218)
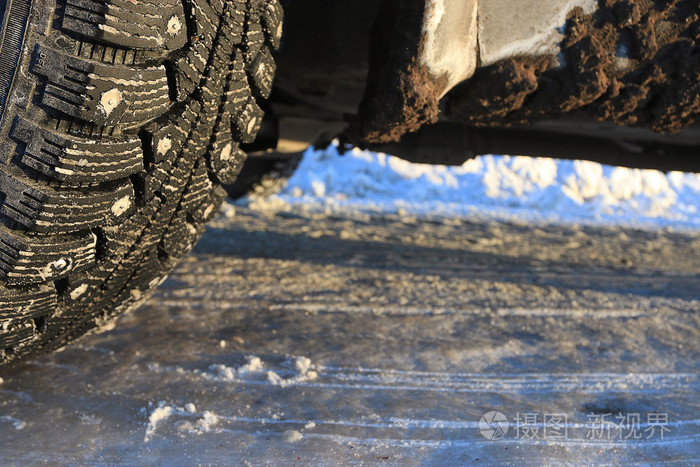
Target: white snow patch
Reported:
point(224, 372)
point(190, 407)
point(274, 378)
point(533, 189)
point(251, 368)
point(302, 365)
point(292, 436)
point(254, 364)
point(17, 424)
point(256, 370)
point(206, 424)
point(161, 413)
point(208, 421)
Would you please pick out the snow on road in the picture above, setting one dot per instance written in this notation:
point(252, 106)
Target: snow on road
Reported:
point(537, 189)
point(389, 332)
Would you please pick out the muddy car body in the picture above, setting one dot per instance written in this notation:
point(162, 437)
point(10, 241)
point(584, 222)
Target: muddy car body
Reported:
point(120, 121)
point(442, 81)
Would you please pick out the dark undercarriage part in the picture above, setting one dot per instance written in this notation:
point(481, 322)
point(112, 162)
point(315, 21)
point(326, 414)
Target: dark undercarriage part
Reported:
point(454, 143)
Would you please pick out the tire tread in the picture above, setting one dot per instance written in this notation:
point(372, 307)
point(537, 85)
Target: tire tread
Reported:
point(116, 155)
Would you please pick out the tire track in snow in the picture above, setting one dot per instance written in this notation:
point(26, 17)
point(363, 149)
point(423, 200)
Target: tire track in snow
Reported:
point(376, 379)
point(330, 308)
point(465, 432)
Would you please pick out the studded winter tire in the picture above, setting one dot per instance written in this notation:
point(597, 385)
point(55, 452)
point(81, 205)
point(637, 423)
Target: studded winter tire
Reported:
point(119, 120)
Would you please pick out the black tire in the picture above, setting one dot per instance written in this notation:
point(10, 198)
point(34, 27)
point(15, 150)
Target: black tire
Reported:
point(119, 120)
point(264, 176)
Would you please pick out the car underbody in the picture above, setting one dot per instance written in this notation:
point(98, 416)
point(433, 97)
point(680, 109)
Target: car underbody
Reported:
point(441, 81)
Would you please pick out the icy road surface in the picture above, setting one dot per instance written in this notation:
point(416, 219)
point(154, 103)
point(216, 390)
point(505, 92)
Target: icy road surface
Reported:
point(289, 337)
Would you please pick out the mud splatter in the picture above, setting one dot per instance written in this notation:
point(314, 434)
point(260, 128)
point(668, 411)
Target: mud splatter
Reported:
point(401, 96)
point(632, 62)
